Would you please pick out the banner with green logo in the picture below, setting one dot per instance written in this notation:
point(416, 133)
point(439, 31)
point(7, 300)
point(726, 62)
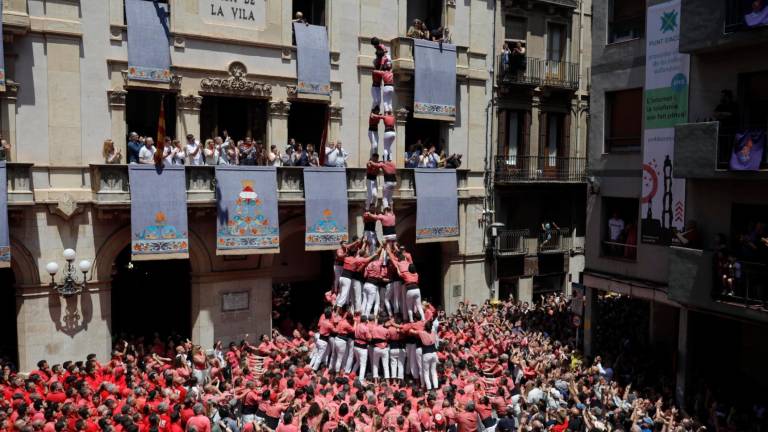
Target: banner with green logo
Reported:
point(666, 104)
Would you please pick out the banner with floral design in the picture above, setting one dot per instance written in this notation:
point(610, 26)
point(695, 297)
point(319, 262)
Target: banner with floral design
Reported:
point(158, 212)
point(325, 207)
point(246, 200)
point(437, 205)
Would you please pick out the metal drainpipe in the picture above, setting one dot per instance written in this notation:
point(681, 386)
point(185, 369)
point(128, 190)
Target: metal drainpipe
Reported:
point(489, 112)
point(579, 92)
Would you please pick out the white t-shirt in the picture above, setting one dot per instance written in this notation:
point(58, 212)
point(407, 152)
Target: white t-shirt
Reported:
point(196, 159)
point(146, 155)
point(615, 227)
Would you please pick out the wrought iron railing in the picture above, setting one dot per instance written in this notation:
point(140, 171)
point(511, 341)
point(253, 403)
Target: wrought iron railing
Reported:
point(540, 168)
point(555, 240)
point(512, 241)
point(538, 72)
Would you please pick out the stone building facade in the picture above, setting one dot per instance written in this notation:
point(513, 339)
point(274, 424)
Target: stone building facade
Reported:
point(68, 91)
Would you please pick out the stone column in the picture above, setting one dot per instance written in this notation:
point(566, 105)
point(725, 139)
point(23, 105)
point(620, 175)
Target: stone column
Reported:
point(533, 138)
point(8, 118)
point(188, 115)
point(335, 124)
point(117, 117)
point(525, 289)
point(402, 117)
point(681, 374)
point(590, 318)
point(277, 124)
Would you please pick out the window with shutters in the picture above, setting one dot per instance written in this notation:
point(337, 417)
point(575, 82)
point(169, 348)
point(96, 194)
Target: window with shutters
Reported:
point(514, 129)
point(623, 120)
point(626, 20)
point(515, 29)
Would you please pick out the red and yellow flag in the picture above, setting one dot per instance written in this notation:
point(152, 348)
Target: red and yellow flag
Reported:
point(161, 122)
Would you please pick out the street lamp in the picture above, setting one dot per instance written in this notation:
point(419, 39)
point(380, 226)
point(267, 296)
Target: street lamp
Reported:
point(70, 282)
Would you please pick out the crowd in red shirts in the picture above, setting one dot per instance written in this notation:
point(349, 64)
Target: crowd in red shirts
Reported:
point(504, 366)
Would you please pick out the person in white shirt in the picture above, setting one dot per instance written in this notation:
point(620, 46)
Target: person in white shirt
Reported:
point(147, 153)
point(335, 155)
point(210, 152)
point(226, 151)
point(274, 156)
point(194, 151)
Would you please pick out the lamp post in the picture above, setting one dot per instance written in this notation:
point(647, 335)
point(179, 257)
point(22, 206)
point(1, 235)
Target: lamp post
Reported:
point(70, 283)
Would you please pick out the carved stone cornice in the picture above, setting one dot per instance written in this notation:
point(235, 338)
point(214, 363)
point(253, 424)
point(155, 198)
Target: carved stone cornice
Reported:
point(335, 112)
point(236, 84)
point(401, 115)
point(279, 108)
point(66, 207)
point(292, 90)
point(173, 83)
point(116, 97)
point(188, 102)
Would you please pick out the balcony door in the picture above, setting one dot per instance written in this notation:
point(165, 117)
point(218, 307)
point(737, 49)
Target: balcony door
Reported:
point(514, 132)
point(556, 46)
point(554, 137)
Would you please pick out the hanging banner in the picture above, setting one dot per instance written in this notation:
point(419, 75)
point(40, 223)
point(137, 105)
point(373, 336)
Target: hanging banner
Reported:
point(666, 104)
point(158, 212)
point(5, 241)
point(149, 50)
point(246, 200)
point(434, 94)
point(748, 149)
point(437, 205)
point(325, 201)
point(313, 62)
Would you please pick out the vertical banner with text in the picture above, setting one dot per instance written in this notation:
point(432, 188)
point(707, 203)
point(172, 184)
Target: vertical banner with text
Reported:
point(666, 104)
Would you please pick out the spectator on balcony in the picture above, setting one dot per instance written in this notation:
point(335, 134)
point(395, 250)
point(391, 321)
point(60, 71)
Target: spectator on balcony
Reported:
point(210, 152)
point(335, 155)
point(300, 157)
point(506, 58)
point(5, 149)
point(517, 59)
point(299, 18)
point(429, 158)
point(417, 30)
point(274, 156)
point(548, 234)
point(313, 159)
point(727, 113)
point(689, 237)
point(412, 156)
point(440, 34)
point(453, 161)
point(246, 152)
point(147, 152)
point(630, 241)
point(174, 153)
point(111, 155)
point(194, 151)
point(615, 231)
point(134, 147)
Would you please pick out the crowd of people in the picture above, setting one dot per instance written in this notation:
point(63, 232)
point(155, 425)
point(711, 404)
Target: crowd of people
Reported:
point(504, 366)
point(420, 30)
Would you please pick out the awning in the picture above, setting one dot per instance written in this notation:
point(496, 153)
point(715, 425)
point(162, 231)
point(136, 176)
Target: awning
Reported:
point(437, 211)
point(327, 216)
point(435, 87)
point(149, 55)
point(246, 201)
point(158, 212)
point(313, 64)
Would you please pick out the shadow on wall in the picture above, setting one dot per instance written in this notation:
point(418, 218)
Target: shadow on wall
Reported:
point(71, 314)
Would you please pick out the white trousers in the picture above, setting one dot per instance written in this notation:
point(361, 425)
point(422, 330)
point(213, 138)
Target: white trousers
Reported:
point(370, 291)
point(336, 275)
point(340, 354)
point(381, 358)
point(357, 294)
point(376, 97)
point(397, 363)
point(385, 296)
point(396, 293)
point(413, 304)
point(389, 139)
point(414, 365)
point(371, 192)
point(345, 284)
point(373, 137)
point(389, 192)
point(361, 361)
point(429, 370)
point(373, 241)
point(388, 92)
point(318, 354)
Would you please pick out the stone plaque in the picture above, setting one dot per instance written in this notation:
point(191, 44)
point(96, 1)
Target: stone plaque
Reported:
point(238, 13)
point(234, 301)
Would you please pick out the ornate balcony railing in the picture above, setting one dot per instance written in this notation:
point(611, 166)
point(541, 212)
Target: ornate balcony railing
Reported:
point(19, 178)
point(538, 72)
point(555, 240)
point(511, 169)
point(109, 184)
point(512, 242)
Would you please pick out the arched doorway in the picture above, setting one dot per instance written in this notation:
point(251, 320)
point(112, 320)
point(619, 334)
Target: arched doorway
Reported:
point(150, 297)
point(300, 280)
point(9, 351)
point(428, 258)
